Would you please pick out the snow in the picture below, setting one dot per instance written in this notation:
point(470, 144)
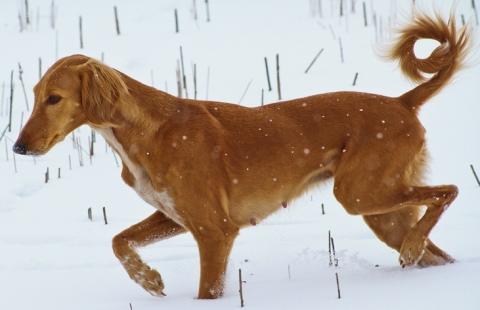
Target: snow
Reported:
point(53, 257)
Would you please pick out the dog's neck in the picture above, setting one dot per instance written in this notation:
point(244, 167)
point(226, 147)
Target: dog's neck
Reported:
point(145, 105)
point(138, 121)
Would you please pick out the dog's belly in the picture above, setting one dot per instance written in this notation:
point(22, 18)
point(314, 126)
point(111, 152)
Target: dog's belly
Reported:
point(254, 208)
point(255, 198)
point(253, 212)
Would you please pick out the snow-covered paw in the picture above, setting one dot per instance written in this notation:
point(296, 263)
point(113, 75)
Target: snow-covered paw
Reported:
point(430, 259)
point(150, 280)
point(412, 250)
point(435, 257)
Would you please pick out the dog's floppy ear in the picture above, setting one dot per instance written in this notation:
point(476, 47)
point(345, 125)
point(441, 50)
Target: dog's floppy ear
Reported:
point(101, 90)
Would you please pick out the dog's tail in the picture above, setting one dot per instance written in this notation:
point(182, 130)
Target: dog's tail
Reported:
point(443, 62)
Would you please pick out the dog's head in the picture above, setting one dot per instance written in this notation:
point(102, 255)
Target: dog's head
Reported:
point(76, 90)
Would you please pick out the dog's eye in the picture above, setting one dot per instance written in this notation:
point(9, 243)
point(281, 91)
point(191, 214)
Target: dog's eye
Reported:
point(53, 99)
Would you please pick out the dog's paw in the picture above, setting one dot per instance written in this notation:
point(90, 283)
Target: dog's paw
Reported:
point(150, 280)
point(152, 283)
point(412, 250)
point(435, 258)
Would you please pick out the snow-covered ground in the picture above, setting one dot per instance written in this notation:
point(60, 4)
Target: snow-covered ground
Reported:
point(53, 257)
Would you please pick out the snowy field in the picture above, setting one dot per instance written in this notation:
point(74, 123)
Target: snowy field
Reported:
point(53, 257)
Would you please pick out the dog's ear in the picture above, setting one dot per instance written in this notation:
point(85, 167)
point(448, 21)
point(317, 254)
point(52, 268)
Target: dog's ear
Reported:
point(101, 90)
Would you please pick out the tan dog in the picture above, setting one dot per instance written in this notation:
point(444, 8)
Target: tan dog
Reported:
point(212, 168)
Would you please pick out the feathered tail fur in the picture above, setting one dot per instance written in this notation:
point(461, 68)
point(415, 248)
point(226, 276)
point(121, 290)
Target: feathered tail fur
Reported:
point(443, 62)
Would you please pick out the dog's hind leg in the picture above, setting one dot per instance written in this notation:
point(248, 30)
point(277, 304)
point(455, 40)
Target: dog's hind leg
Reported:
point(393, 227)
point(154, 228)
point(415, 241)
point(381, 180)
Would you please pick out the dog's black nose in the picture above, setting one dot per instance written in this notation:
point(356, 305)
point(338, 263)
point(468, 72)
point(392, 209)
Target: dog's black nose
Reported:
point(20, 148)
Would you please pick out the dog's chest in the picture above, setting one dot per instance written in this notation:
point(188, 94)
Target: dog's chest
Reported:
point(160, 200)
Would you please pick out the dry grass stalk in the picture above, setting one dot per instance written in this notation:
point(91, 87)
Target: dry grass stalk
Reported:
point(20, 77)
point(240, 290)
point(338, 286)
point(268, 74)
point(11, 103)
point(475, 174)
point(117, 23)
point(355, 79)
point(277, 58)
point(105, 215)
point(313, 60)
point(175, 13)
point(80, 28)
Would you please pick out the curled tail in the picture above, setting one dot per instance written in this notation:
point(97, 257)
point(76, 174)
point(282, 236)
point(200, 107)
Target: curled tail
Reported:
point(443, 62)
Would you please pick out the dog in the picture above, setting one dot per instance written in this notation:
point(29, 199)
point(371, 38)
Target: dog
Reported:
point(212, 168)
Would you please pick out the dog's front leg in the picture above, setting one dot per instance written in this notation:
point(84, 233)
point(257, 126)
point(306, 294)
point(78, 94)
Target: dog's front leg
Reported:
point(154, 228)
point(214, 246)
